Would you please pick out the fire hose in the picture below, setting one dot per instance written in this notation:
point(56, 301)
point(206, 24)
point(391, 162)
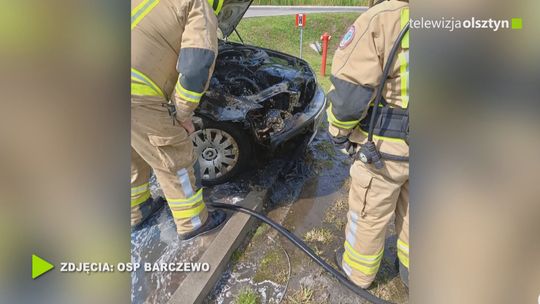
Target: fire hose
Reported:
point(305, 248)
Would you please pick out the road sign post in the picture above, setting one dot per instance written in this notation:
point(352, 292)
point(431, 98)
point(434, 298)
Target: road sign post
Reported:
point(301, 38)
point(301, 23)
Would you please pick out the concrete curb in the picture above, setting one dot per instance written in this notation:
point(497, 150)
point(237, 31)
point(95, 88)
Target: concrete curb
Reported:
point(197, 285)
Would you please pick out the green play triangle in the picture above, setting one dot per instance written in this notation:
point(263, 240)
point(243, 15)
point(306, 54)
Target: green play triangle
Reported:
point(39, 266)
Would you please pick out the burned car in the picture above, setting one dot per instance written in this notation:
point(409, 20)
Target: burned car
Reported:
point(256, 98)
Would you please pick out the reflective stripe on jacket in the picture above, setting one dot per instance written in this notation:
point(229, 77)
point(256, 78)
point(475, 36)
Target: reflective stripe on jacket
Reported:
point(173, 49)
point(357, 69)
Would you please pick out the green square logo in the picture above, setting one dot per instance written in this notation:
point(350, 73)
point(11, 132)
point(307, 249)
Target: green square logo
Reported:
point(517, 23)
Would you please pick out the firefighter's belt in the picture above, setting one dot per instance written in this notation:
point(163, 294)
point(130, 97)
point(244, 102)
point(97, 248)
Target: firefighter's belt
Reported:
point(390, 122)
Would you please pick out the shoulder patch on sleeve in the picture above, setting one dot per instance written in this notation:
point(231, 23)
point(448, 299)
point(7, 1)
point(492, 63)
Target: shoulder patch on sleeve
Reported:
point(348, 37)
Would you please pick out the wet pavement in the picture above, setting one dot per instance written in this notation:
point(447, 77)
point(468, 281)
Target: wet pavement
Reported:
point(307, 193)
point(309, 199)
point(156, 241)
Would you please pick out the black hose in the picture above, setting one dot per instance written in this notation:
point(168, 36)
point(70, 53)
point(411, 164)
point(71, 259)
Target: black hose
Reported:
point(386, 72)
point(304, 247)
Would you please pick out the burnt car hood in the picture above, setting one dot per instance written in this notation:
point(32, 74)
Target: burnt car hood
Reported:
point(273, 95)
point(230, 15)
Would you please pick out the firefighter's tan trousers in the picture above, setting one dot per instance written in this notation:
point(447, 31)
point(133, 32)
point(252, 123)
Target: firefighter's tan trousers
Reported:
point(158, 145)
point(374, 197)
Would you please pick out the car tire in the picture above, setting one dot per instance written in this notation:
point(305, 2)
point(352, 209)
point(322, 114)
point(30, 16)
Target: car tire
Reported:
point(223, 149)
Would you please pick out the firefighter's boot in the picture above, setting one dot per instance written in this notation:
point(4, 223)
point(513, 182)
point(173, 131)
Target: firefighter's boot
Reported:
point(404, 275)
point(143, 211)
point(338, 258)
point(215, 220)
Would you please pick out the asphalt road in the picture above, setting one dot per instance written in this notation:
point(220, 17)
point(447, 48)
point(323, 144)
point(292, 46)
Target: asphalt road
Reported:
point(270, 10)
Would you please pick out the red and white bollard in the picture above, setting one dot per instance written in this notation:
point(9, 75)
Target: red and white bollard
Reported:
point(325, 38)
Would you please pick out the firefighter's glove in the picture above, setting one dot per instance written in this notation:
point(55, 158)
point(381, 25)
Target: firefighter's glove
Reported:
point(344, 145)
point(197, 122)
point(339, 141)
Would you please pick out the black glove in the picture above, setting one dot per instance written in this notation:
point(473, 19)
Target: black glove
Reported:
point(338, 141)
point(345, 145)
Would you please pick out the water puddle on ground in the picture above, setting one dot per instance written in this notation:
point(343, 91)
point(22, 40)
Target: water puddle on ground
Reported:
point(310, 199)
point(307, 194)
point(156, 241)
point(299, 199)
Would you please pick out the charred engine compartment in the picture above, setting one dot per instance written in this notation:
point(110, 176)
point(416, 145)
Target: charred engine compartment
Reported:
point(264, 89)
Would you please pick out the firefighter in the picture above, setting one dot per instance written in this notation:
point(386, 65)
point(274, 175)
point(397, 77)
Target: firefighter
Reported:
point(173, 51)
point(376, 195)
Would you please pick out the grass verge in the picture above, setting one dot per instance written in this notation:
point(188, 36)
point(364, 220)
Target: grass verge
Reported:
point(247, 296)
point(302, 296)
point(312, 2)
point(321, 235)
point(272, 267)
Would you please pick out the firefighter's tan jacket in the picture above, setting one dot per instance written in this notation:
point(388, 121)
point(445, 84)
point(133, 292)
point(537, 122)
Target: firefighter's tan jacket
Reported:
point(173, 49)
point(357, 69)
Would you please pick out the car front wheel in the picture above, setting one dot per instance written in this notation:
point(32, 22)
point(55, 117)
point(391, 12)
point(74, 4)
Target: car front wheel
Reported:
point(223, 149)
